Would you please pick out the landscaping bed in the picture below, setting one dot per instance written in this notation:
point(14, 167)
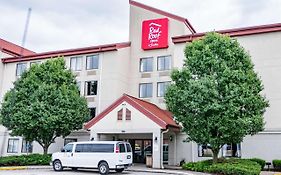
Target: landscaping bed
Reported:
point(22, 160)
point(227, 166)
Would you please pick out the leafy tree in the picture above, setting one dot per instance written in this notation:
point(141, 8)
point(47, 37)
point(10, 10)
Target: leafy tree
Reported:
point(216, 96)
point(44, 104)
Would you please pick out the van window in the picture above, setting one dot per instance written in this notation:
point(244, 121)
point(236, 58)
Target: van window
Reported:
point(97, 148)
point(122, 148)
point(103, 148)
point(68, 147)
point(128, 147)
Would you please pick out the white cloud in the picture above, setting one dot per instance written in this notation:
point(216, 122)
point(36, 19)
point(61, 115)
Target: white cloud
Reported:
point(74, 23)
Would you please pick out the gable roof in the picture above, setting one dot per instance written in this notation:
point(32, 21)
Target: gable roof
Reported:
point(69, 52)
point(164, 13)
point(161, 117)
point(13, 49)
point(232, 32)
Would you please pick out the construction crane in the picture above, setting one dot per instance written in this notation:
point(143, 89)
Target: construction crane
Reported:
point(25, 31)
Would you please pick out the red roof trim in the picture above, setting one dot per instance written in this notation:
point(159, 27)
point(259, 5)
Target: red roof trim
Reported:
point(13, 49)
point(69, 52)
point(232, 32)
point(132, 101)
point(161, 12)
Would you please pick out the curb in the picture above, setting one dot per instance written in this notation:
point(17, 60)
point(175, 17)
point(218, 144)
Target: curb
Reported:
point(159, 171)
point(14, 168)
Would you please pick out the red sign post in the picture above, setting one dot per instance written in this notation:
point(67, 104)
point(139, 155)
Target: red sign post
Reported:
point(155, 34)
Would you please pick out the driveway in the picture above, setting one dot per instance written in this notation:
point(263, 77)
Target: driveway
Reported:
point(69, 172)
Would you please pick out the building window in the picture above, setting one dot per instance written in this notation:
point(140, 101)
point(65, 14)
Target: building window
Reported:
point(13, 145)
point(146, 64)
point(21, 67)
point(75, 63)
point(69, 140)
point(92, 62)
point(145, 90)
point(120, 114)
point(34, 62)
point(231, 150)
point(205, 151)
point(128, 114)
point(26, 146)
point(162, 87)
point(164, 63)
point(91, 87)
point(92, 112)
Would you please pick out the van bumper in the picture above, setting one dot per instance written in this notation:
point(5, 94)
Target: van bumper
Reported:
point(125, 166)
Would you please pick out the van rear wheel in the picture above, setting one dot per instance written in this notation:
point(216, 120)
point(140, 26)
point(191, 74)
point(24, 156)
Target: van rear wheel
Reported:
point(103, 168)
point(119, 170)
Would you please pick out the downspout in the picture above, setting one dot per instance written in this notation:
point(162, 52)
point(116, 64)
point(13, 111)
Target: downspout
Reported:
point(161, 147)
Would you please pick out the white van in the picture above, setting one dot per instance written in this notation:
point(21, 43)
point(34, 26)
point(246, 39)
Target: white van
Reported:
point(104, 155)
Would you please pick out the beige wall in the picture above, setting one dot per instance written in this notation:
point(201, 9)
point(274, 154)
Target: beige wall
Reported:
point(137, 16)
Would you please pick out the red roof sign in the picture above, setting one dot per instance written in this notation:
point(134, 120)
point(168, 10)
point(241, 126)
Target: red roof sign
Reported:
point(155, 34)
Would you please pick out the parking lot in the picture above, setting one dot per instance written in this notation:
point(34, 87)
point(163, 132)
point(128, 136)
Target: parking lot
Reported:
point(67, 172)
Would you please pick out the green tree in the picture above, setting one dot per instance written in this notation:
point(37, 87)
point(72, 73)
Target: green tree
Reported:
point(216, 96)
point(44, 104)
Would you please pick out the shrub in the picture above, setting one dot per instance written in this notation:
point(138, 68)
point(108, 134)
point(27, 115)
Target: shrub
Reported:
point(31, 159)
point(226, 167)
point(276, 164)
point(261, 162)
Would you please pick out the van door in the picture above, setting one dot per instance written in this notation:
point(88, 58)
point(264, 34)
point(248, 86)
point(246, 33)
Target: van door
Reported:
point(66, 159)
point(122, 155)
point(129, 157)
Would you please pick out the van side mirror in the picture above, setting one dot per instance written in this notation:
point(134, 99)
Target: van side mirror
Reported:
point(62, 150)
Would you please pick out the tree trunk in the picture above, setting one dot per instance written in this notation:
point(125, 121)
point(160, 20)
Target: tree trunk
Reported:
point(215, 155)
point(45, 148)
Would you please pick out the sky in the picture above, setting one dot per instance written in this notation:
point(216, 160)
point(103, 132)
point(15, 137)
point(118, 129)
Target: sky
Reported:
point(66, 24)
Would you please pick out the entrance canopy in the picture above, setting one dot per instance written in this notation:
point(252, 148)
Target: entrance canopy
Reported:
point(128, 111)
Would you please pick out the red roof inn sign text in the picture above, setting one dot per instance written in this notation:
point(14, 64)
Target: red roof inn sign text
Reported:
point(155, 34)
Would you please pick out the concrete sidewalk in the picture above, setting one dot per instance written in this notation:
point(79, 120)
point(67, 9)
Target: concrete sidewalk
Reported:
point(136, 168)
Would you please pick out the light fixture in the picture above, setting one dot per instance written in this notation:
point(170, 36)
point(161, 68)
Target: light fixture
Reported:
point(171, 138)
point(155, 138)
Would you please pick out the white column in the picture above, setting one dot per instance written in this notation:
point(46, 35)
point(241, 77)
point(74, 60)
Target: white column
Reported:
point(157, 149)
point(94, 136)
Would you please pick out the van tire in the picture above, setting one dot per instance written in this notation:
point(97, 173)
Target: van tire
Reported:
point(57, 166)
point(119, 170)
point(103, 168)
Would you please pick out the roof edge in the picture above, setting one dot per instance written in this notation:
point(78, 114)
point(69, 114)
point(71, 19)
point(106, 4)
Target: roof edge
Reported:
point(15, 51)
point(161, 12)
point(69, 52)
point(232, 32)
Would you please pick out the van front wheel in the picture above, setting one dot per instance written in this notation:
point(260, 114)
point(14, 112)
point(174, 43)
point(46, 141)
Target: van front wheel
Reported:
point(103, 168)
point(119, 170)
point(57, 166)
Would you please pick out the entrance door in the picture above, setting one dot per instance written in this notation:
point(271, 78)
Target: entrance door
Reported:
point(141, 148)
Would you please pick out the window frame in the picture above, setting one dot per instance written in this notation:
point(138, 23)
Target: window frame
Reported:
point(28, 149)
point(90, 108)
point(92, 56)
point(140, 64)
point(14, 139)
point(17, 69)
point(166, 83)
point(86, 89)
point(146, 90)
point(164, 67)
point(65, 142)
point(198, 147)
point(76, 58)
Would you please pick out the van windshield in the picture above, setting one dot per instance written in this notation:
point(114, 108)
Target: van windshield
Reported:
point(68, 148)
